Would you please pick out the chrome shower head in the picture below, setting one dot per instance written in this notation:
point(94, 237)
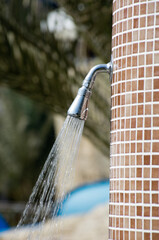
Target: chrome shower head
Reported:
point(79, 107)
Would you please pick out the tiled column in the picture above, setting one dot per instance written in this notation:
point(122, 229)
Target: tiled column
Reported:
point(134, 170)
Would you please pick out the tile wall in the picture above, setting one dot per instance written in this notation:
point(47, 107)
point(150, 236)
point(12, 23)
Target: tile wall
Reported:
point(134, 170)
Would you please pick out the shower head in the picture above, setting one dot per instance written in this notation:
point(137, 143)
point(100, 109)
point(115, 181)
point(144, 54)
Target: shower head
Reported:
point(79, 107)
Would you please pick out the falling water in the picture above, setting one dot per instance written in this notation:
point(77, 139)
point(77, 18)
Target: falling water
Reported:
point(41, 205)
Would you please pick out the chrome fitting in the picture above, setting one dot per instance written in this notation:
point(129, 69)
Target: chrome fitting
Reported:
point(79, 107)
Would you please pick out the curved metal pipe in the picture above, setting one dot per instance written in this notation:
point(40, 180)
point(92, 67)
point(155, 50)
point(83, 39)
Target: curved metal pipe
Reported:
point(79, 107)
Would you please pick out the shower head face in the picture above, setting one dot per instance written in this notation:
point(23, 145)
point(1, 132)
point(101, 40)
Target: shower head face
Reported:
point(79, 107)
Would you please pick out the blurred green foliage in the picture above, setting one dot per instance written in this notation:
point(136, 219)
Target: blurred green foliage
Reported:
point(25, 140)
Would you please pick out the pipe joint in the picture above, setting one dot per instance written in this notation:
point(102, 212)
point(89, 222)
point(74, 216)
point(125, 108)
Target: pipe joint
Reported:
point(79, 107)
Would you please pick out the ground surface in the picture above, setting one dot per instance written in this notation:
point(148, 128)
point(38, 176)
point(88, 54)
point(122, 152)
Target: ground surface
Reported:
point(93, 225)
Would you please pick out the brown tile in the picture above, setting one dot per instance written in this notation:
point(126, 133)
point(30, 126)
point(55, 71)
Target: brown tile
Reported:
point(155, 211)
point(140, 96)
point(142, 9)
point(146, 236)
point(136, 23)
point(134, 85)
point(132, 173)
point(132, 211)
point(146, 225)
point(156, 96)
point(150, 46)
point(146, 160)
point(134, 98)
point(156, 121)
point(110, 220)
point(141, 72)
point(148, 109)
point(132, 235)
point(126, 185)
point(150, 33)
point(146, 198)
point(155, 224)
point(126, 197)
point(155, 185)
point(134, 110)
point(139, 135)
point(124, 28)
point(126, 210)
point(135, 35)
point(156, 83)
point(132, 197)
point(132, 223)
point(148, 72)
point(138, 236)
point(139, 159)
point(142, 22)
point(125, 13)
point(147, 134)
point(140, 110)
point(155, 134)
point(155, 236)
point(126, 233)
point(151, 7)
point(149, 59)
point(128, 86)
point(139, 172)
point(155, 172)
point(146, 172)
point(157, 42)
point(121, 210)
point(150, 21)
point(147, 122)
point(134, 61)
point(139, 185)
point(113, 234)
point(155, 147)
point(139, 224)
point(141, 60)
point(136, 10)
point(155, 198)
point(155, 159)
point(156, 58)
point(148, 96)
point(129, 74)
point(139, 122)
point(129, 12)
point(139, 198)
point(132, 161)
point(123, 75)
point(143, 34)
point(133, 123)
point(146, 211)
point(139, 147)
point(127, 122)
point(156, 71)
point(146, 185)
point(147, 147)
point(117, 222)
point(130, 24)
point(135, 48)
point(124, 38)
point(157, 6)
point(130, 37)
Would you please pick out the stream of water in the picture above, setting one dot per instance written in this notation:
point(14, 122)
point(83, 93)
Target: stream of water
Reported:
point(56, 172)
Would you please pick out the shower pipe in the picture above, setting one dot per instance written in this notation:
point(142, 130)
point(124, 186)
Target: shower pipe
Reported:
point(79, 107)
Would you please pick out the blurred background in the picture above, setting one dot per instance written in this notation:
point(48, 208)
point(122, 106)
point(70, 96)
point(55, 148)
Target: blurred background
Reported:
point(46, 49)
